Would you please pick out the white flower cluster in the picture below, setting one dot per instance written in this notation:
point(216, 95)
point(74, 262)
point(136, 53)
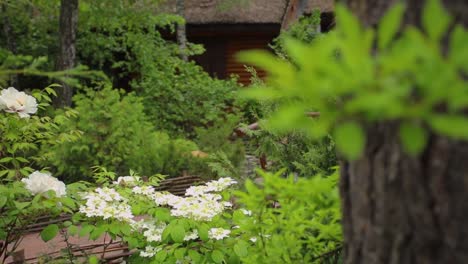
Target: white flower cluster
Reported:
point(212, 186)
point(143, 190)
point(191, 236)
point(149, 251)
point(152, 232)
point(218, 233)
point(200, 203)
point(13, 101)
point(38, 182)
point(199, 208)
point(106, 203)
point(127, 180)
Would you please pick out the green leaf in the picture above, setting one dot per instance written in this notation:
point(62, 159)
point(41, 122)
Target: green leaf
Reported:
point(458, 53)
point(203, 232)
point(180, 253)
point(389, 25)
point(3, 201)
point(6, 159)
point(178, 233)
point(348, 23)
point(240, 248)
point(217, 256)
point(72, 230)
point(85, 230)
point(194, 255)
point(413, 137)
point(161, 256)
point(97, 232)
point(21, 205)
point(93, 260)
point(350, 139)
point(454, 126)
point(435, 19)
point(49, 232)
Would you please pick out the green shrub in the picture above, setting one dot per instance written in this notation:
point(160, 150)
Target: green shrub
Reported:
point(118, 136)
point(291, 221)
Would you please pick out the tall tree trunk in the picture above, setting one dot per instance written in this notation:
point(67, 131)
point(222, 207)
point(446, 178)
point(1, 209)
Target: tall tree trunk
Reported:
point(10, 40)
point(67, 53)
point(181, 30)
point(401, 209)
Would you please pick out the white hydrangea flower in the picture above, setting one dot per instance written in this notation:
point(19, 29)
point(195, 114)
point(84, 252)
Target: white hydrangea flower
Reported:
point(253, 239)
point(198, 208)
point(191, 236)
point(221, 184)
point(13, 101)
point(38, 182)
point(127, 180)
point(106, 203)
point(149, 251)
point(152, 232)
point(212, 186)
point(218, 233)
point(162, 198)
point(143, 190)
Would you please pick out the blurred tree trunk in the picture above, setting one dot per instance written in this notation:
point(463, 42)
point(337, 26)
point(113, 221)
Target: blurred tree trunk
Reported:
point(9, 39)
point(401, 209)
point(181, 30)
point(67, 52)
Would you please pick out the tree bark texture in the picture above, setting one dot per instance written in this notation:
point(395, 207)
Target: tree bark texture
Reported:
point(67, 52)
point(10, 40)
point(402, 209)
point(181, 30)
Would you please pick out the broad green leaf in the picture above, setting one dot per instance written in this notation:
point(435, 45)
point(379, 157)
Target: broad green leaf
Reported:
point(178, 233)
point(93, 260)
point(180, 253)
point(21, 205)
point(72, 230)
point(413, 137)
point(6, 159)
point(97, 232)
point(49, 232)
point(454, 126)
point(203, 232)
point(350, 139)
point(240, 248)
point(161, 256)
point(194, 255)
point(85, 230)
point(3, 201)
point(458, 53)
point(389, 25)
point(217, 256)
point(435, 19)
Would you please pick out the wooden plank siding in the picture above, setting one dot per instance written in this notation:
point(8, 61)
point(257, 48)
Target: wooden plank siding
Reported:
point(239, 44)
point(223, 41)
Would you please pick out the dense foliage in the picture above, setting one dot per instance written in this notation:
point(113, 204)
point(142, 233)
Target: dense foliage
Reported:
point(406, 80)
point(117, 135)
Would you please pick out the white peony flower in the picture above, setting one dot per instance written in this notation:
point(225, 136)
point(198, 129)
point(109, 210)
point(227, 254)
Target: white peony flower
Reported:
point(218, 233)
point(38, 182)
point(13, 101)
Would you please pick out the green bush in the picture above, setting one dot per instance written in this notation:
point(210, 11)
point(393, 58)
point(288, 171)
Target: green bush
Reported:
point(291, 220)
point(118, 136)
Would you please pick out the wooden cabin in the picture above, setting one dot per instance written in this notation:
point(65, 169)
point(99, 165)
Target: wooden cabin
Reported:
point(252, 24)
